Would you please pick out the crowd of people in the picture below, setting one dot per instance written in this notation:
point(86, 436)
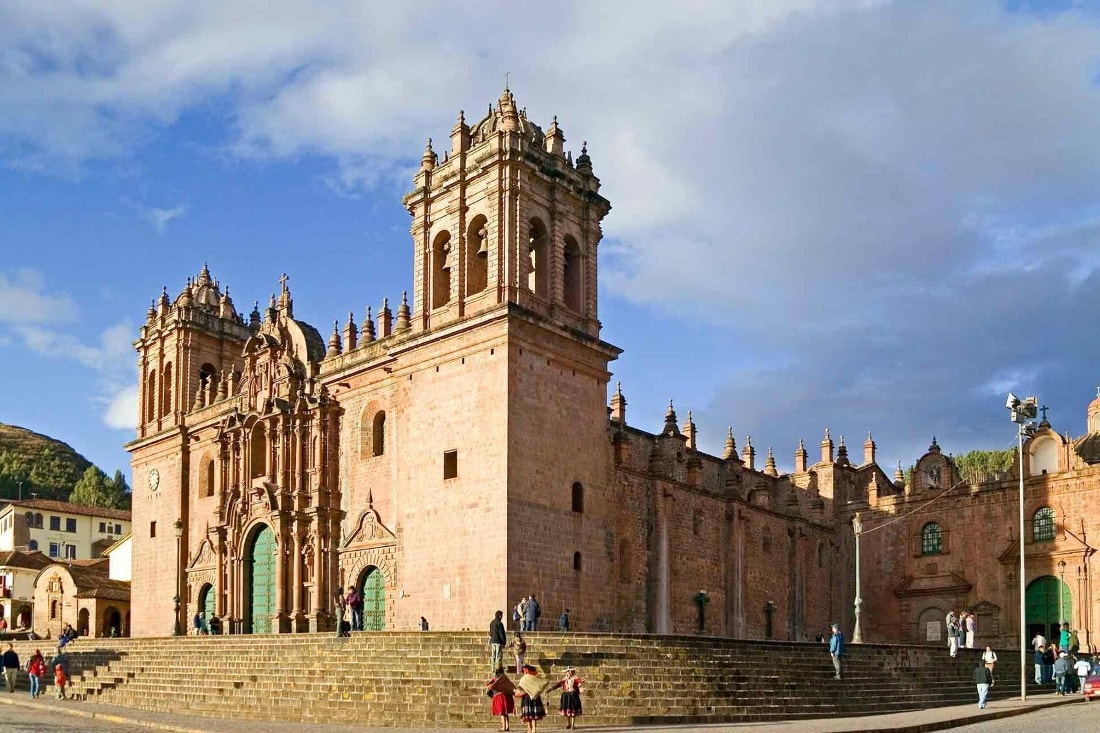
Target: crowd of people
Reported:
point(1060, 663)
point(36, 668)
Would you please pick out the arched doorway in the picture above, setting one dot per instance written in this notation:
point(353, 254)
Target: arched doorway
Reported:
point(372, 587)
point(931, 626)
point(112, 622)
point(1046, 607)
point(82, 622)
point(206, 602)
point(24, 618)
point(260, 582)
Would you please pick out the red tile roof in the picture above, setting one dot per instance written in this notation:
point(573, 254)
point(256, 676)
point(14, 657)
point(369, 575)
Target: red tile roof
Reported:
point(64, 507)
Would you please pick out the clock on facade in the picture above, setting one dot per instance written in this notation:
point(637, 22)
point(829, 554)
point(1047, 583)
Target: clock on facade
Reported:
point(154, 479)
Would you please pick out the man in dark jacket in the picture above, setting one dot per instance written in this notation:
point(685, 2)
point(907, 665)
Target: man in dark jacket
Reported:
point(983, 679)
point(11, 667)
point(498, 637)
point(531, 613)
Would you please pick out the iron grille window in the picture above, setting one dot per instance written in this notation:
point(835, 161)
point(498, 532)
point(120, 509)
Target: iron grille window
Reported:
point(1042, 525)
point(931, 539)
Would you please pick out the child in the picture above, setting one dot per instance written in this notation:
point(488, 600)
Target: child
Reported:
point(520, 648)
point(570, 705)
point(60, 679)
point(529, 691)
point(502, 690)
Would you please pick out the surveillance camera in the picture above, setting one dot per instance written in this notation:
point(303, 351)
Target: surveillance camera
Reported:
point(1012, 401)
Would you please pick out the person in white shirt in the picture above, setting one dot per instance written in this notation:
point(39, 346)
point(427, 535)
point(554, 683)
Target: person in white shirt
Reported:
point(1082, 668)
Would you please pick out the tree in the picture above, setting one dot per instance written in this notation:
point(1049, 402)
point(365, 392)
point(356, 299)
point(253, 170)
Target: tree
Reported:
point(981, 466)
point(95, 489)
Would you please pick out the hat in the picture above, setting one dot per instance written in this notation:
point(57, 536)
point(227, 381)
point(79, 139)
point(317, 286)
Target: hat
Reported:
point(530, 668)
point(835, 624)
point(570, 669)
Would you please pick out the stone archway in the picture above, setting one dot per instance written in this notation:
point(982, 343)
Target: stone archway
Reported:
point(1048, 603)
point(112, 622)
point(372, 587)
point(259, 581)
point(931, 626)
point(206, 602)
point(82, 622)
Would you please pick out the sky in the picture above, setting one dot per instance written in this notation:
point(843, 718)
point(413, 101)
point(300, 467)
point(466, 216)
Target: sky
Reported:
point(862, 215)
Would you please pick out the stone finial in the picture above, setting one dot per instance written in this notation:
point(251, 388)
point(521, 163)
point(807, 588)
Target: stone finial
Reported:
point(403, 314)
point(670, 421)
point(223, 386)
point(366, 335)
point(429, 159)
point(460, 135)
point(351, 332)
point(769, 464)
point(618, 405)
point(385, 319)
point(254, 316)
point(826, 448)
point(162, 303)
point(226, 309)
point(152, 312)
point(584, 163)
point(748, 454)
point(689, 431)
point(730, 450)
point(185, 298)
point(555, 138)
point(509, 116)
point(800, 457)
point(334, 347)
point(869, 449)
point(842, 454)
point(899, 476)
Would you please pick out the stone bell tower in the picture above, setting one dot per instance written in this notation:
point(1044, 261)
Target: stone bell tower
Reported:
point(506, 216)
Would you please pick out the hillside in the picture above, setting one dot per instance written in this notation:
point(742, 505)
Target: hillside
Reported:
point(47, 467)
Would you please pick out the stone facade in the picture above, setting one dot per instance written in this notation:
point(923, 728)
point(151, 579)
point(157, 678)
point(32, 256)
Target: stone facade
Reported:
point(459, 453)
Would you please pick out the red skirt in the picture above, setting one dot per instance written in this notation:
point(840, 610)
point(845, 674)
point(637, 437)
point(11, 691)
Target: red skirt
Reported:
point(503, 704)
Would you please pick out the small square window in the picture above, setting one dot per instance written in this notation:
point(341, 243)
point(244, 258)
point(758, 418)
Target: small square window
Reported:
point(118, 529)
point(55, 524)
point(103, 527)
point(450, 464)
point(152, 529)
point(70, 524)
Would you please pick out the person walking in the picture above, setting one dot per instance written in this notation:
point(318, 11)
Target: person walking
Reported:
point(60, 666)
point(501, 689)
point(1082, 667)
point(1048, 664)
point(989, 657)
point(11, 667)
point(836, 648)
point(340, 605)
point(36, 668)
point(531, 613)
point(1061, 668)
point(498, 637)
point(983, 680)
point(563, 620)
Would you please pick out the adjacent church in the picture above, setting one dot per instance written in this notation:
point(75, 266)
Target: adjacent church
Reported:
point(457, 451)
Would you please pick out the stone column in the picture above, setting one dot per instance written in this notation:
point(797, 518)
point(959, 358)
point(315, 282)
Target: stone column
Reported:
point(664, 621)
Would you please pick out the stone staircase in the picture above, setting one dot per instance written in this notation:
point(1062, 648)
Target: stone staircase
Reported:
point(437, 679)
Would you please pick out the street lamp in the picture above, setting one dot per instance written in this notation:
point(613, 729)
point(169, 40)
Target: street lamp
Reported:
point(1061, 593)
point(857, 634)
point(1022, 411)
point(177, 628)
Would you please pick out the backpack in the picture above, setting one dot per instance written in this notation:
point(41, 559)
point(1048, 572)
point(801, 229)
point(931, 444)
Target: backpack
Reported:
point(515, 612)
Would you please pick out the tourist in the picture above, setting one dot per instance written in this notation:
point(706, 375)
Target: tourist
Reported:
point(498, 637)
point(570, 704)
point(529, 690)
point(501, 689)
point(355, 603)
point(1038, 659)
point(563, 620)
point(531, 613)
point(519, 650)
point(971, 631)
point(1063, 638)
point(1082, 667)
point(1061, 667)
point(1048, 664)
point(983, 680)
point(952, 633)
point(423, 624)
point(215, 626)
point(836, 648)
point(517, 614)
point(199, 622)
point(1074, 642)
point(1038, 641)
point(990, 658)
point(36, 667)
point(60, 666)
point(339, 607)
point(11, 667)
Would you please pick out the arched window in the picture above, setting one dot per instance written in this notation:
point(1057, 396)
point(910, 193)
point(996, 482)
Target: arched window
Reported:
point(572, 275)
point(578, 497)
point(208, 477)
point(576, 561)
point(151, 397)
point(477, 255)
point(166, 391)
point(931, 539)
point(53, 610)
point(29, 519)
point(258, 452)
point(537, 281)
point(1042, 525)
point(1043, 452)
point(208, 377)
point(378, 433)
point(441, 270)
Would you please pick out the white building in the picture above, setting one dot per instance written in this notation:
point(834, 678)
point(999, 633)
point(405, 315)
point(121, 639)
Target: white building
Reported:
point(17, 573)
point(60, 530)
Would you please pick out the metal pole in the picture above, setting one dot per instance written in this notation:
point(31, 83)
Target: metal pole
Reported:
point(1023, 604)
point(857, 633)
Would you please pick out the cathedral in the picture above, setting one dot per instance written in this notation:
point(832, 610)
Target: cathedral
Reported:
point(468, 447)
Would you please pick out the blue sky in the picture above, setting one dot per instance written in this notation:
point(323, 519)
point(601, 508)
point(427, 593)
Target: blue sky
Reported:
point(863, 215)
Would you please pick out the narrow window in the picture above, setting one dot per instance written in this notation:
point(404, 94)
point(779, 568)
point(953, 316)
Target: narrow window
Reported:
point(208, 477)
point(55, 524)
point(151, 397)
point(70, 552)
point(53, 610)
point(258, 450)
point(38, 521)
point(536, 278)
point(1042, 525)
point(441, 270)
point(29, 519)
point(55, 549)
point(118, 529)
point(477, 255)
point(931, 539)
point(166, 390)
point(578, 498)
point(450, 464)
point(378, 433)
point(70, 524)
point(152, 529)
point(572, 275)
point(103, 528)
point(577, 561)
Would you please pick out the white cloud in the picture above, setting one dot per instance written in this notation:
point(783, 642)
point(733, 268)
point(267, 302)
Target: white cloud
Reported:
point(22, 300)
point(157, 217)
point(122, 409)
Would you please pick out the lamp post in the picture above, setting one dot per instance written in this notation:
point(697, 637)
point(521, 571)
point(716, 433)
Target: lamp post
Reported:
point(857, 633)
point(1061, 592)
point(177, 629)
point(1022, 411)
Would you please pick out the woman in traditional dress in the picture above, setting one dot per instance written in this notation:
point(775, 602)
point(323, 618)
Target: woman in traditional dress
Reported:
point(529, 691)
point(570, 705)
point(502, 691)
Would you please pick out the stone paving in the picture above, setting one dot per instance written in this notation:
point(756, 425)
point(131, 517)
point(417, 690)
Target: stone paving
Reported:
point(908, 722)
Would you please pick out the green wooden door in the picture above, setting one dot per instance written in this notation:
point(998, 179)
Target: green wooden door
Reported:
point(207, 603)
point(1044, 608)
point(374, 600)
point(261, 582)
